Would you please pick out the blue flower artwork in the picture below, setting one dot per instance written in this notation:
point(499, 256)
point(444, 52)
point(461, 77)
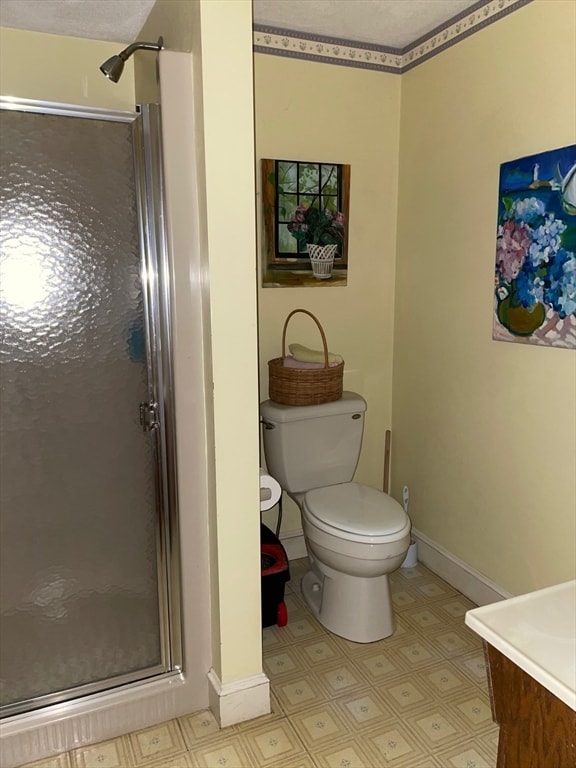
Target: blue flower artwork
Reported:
point(535, 280)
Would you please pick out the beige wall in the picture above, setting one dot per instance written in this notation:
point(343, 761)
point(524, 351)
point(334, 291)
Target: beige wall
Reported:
point(311, 111)
point(228, 137)
point(484, 432)
point(216, 355)
point(63, 69)
point(175, 21)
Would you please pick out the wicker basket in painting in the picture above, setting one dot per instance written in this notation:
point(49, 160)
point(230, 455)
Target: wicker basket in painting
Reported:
point(304, 386)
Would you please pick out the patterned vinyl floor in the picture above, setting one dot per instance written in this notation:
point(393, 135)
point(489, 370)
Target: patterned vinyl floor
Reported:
point(418, 699)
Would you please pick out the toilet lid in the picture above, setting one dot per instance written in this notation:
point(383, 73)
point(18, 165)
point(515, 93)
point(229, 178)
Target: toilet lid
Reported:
point(355, 508)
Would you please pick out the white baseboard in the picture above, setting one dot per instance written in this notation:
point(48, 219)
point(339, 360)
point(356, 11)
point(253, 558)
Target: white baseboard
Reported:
point(467, 580)
point(473, 584)
point(294, 544)
point(241, 700)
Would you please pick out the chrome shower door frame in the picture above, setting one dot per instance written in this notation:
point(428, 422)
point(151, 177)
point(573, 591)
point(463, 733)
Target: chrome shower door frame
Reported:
point(150, 194)
point(156, 297)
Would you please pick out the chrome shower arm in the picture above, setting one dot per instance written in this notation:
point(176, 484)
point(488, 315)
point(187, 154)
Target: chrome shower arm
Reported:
point(133, 47)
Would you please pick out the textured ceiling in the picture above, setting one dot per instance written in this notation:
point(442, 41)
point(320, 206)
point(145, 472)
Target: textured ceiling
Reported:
point(391, 23)
point(114, 20)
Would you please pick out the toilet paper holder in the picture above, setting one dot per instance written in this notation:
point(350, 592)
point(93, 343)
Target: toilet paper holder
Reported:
point(270, 495)
point(270, 491)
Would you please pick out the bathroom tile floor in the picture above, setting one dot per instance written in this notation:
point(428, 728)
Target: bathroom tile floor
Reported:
point(418, 699)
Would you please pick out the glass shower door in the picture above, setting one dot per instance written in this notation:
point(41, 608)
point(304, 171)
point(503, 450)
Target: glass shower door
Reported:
point(84, 578)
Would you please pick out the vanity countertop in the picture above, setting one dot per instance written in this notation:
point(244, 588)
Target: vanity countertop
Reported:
point(537, 632)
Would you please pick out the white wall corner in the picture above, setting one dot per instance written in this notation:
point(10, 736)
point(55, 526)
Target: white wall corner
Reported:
point(473, 584)
point(241, 700)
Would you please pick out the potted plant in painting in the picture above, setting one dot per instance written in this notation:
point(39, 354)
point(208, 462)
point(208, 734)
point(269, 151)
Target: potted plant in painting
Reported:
point(535, 290)
point(322, 231)
point(533, 270)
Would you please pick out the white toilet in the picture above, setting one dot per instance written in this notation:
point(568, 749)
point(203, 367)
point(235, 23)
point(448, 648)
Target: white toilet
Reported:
point(355, 535)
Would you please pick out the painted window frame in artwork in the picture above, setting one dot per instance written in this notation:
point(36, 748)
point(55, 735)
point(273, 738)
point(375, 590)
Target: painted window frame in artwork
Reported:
point(279, 202)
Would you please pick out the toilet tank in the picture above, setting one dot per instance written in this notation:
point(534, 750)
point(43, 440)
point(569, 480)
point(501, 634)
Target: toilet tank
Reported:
point(312, 446)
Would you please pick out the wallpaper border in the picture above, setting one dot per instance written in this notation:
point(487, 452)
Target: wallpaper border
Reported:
point(350, 53)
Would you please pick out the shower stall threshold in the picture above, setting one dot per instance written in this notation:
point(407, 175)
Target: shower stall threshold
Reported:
point(55, 729)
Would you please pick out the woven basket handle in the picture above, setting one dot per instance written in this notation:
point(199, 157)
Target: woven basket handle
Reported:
point(305, 311)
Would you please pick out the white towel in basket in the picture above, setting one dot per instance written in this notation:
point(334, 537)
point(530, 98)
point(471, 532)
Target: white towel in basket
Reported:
point(306, 355)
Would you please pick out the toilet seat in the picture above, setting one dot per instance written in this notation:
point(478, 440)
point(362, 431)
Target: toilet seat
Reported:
point(357, 513)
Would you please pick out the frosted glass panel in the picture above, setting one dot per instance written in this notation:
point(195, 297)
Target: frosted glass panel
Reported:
point(78, 579)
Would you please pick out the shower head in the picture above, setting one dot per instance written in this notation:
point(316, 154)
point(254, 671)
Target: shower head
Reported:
point(114, 66)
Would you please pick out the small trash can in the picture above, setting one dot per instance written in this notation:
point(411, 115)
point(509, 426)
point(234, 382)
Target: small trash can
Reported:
point(275, 573)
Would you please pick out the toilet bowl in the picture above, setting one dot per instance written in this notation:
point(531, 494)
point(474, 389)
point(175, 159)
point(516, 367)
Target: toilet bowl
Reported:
point(355, 535)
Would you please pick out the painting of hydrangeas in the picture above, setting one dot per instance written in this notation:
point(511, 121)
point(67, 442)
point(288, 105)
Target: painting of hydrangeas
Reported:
point(535, 282)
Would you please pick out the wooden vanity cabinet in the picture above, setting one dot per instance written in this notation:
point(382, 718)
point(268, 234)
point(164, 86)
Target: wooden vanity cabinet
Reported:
point(537, 730)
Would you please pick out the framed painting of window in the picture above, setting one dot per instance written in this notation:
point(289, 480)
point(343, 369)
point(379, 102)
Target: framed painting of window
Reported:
point(305, 204)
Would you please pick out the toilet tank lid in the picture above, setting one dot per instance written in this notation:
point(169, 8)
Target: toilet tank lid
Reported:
point(350, 402)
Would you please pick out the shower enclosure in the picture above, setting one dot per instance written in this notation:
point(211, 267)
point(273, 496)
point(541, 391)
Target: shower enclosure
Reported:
point(89, 548)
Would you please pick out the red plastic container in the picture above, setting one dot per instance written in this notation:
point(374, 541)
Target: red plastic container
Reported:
point(275, 573)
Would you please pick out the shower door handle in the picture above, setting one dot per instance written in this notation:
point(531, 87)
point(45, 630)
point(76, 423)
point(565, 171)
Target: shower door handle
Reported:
point(148, 416)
